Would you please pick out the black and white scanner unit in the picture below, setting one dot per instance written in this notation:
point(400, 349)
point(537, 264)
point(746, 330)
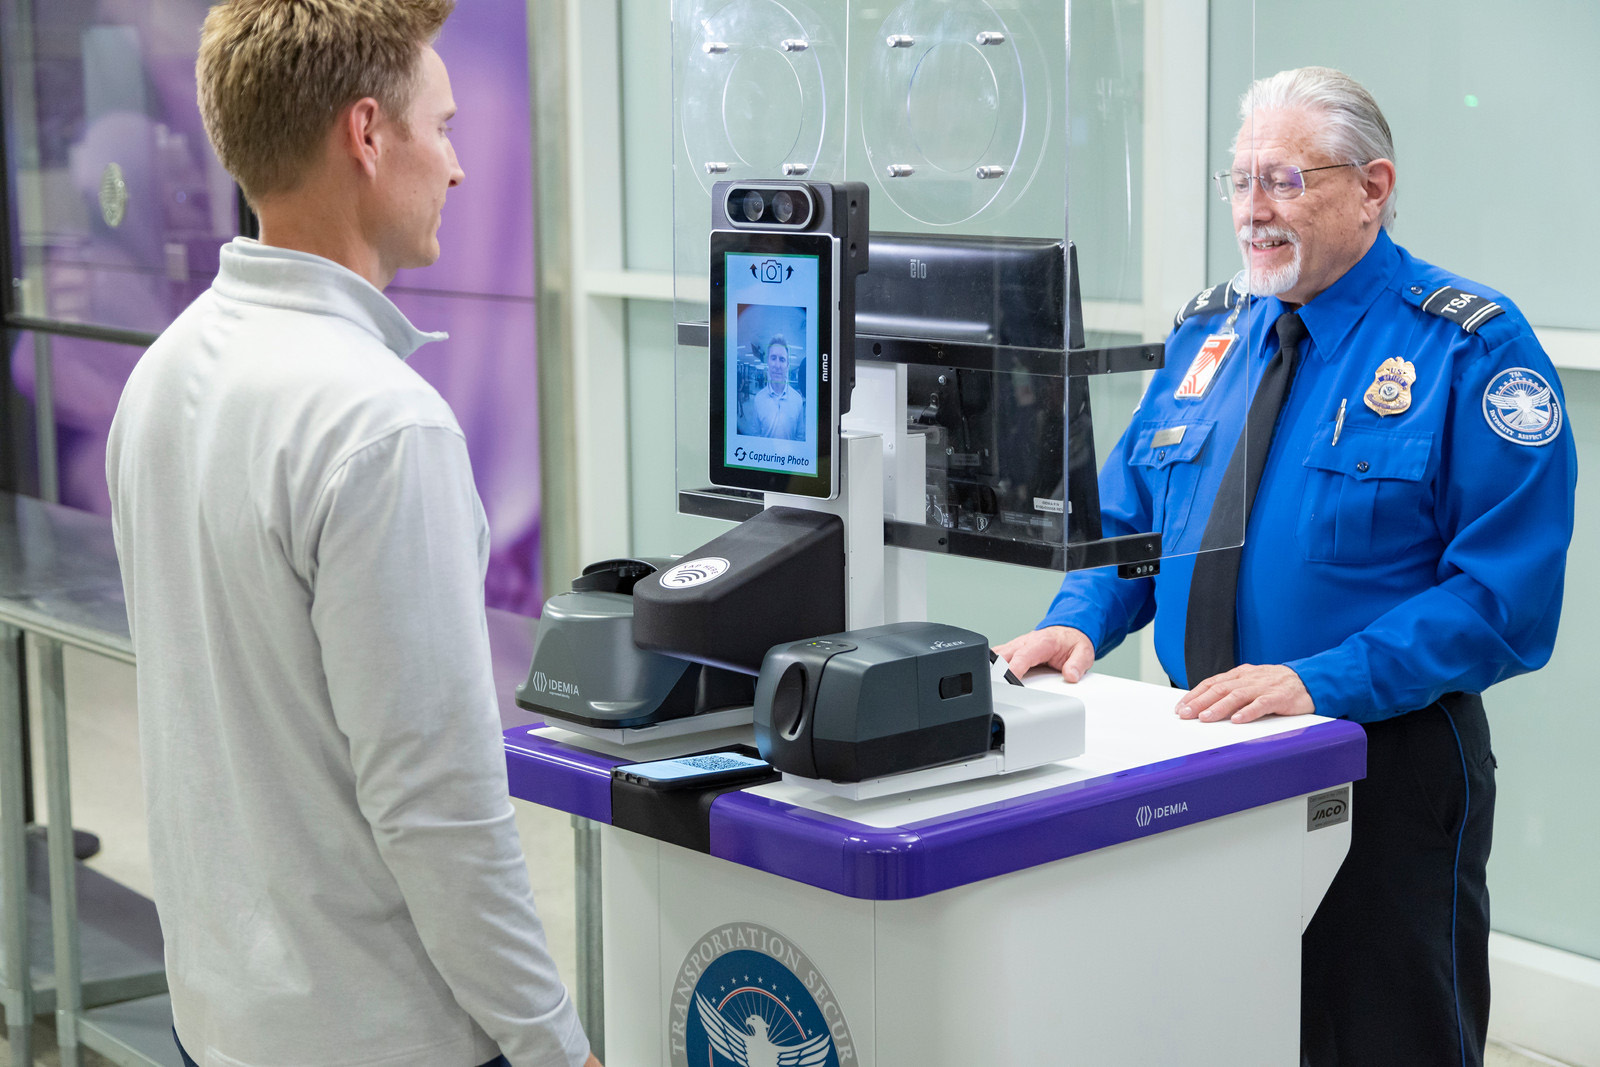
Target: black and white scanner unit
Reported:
point(799, 621)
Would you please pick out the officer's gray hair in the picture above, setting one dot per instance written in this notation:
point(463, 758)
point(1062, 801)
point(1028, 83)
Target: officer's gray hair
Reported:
point(1356, 131)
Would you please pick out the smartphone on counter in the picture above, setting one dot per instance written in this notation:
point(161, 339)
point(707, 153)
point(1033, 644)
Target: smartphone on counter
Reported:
point(696, 772)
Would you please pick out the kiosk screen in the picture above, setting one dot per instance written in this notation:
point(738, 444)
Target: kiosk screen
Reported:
point(774, 386)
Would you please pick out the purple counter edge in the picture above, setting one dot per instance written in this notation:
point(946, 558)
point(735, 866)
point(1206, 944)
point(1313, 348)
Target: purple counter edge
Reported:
point(558, 776)
point(899, 863)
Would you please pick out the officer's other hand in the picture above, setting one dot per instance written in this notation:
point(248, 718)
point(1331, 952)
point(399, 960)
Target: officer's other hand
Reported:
point(592, 1062)
point(1061, 648)
point(1247, 693)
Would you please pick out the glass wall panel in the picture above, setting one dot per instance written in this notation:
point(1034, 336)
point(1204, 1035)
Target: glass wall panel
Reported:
point(1480, 97)
point(118, 202)
point(119, 208)
point(86, 381)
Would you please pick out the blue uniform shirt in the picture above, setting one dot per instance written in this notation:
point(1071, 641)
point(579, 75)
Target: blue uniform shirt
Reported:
point(1421, 554)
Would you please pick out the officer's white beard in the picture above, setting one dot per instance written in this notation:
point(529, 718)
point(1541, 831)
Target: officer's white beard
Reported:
point(1270, 282)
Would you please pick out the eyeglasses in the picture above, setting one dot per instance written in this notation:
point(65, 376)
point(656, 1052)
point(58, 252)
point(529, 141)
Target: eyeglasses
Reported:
point(1278, 183)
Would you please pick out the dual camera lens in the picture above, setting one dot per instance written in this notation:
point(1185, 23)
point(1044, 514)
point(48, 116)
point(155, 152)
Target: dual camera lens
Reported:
point(785, 207)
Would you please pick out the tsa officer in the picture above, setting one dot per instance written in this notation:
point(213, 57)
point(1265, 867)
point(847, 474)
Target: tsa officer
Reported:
point(1389, 443)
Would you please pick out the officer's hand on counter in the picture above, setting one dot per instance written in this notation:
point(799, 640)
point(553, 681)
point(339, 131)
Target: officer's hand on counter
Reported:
point(1060, 647)
point(1247, 693)
point(592, 1062)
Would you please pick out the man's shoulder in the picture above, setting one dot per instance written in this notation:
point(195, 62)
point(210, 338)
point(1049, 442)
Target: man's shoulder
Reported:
point(1212, 300)
point(1473, 308)
point(317, 371)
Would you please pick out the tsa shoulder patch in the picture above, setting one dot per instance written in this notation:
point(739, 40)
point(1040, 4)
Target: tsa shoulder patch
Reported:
point(1519, 405)
point(1467, 310)
point(1219, 297)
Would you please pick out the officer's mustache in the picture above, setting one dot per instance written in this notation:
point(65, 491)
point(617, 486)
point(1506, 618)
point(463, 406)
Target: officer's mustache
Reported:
point(1249, 235)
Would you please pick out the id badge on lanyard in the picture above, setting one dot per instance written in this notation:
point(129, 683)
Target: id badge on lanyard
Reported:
point(1203, 371)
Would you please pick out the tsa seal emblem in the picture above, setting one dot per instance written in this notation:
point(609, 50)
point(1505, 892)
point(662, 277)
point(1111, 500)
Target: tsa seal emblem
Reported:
point(1520, 406)
point(1390, 391)
point(747, 997)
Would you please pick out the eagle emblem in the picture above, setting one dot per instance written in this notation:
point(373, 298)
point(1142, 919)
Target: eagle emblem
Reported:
point(751, 1044)
point(1522, 407)
point(739, 1001)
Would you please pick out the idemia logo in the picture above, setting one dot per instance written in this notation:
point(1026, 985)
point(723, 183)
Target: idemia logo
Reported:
point(542, 683)
point(746, 997)
point(1147, 815)
point(694, 572)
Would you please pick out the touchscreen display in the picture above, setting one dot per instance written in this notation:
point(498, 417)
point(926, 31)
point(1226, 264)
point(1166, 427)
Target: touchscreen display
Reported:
point(770, 363)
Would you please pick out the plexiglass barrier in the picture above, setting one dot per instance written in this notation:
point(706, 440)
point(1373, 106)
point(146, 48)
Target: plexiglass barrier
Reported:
point(960, 119)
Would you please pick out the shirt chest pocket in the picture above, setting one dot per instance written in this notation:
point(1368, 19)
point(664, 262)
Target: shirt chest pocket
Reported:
point(1365, 497)
point(1168, 456)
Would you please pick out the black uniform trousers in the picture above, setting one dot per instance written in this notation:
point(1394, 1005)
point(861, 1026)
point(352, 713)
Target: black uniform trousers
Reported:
point(1395, 962)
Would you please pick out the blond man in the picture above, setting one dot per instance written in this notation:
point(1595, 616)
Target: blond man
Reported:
point(336, 868)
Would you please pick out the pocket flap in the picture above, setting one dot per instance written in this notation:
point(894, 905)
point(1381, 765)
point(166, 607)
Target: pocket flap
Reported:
point(1372, 453)
point(1156, 448)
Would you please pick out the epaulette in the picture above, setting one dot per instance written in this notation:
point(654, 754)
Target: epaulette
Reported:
point(1219, 297)
point(1467, 310)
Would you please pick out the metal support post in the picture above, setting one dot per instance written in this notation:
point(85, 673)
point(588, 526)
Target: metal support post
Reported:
point(591, 942)
point(63, 862)
point(18, 977)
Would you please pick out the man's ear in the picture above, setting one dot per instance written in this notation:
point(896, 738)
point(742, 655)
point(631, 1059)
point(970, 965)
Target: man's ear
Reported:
point(1377, 180)
point(360, 134)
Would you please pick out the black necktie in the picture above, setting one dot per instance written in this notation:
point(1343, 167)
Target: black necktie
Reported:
point(1214, 590)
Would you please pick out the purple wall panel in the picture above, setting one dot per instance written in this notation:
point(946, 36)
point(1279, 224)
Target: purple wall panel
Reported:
point(115, 82)
point(487, 370)
point(487, 239)
point(488, 374)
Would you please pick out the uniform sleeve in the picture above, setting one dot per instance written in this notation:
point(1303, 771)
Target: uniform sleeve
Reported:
point(1105, 607)
point(397, 592)
point(1504, 511)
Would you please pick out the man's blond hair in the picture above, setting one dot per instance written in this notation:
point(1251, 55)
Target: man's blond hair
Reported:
point(274, 74)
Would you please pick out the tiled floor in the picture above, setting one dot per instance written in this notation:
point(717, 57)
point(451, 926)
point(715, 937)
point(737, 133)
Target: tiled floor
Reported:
point(107, 799)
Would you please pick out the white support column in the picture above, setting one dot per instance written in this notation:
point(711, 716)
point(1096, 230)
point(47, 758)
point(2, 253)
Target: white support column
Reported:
point(599, 357)
point(1176, 198)
point(878, 406)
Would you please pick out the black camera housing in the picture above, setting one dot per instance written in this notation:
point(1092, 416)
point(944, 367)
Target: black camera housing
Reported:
point(836, 208)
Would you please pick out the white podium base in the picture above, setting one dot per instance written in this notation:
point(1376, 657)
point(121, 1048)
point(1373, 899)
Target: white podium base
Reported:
point(1178, 948)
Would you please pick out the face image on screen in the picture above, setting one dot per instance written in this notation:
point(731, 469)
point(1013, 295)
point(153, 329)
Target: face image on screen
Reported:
point(771, 363)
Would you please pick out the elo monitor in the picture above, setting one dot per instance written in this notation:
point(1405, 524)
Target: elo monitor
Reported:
point(774, 370)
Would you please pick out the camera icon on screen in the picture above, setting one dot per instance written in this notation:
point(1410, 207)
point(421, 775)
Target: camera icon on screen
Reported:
point(770, 270)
